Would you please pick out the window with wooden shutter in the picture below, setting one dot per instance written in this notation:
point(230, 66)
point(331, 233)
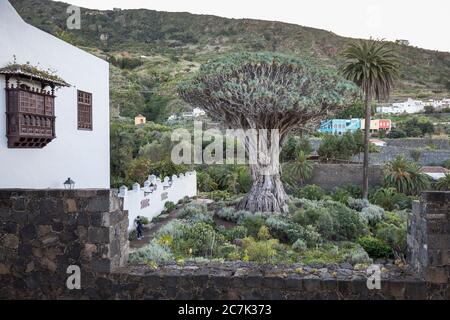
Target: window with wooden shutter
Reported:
point(84, 110)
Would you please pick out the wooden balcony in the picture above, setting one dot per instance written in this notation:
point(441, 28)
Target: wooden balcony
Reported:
point(30, 117)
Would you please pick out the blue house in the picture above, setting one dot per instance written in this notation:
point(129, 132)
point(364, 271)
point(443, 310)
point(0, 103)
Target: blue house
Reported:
point(340, 126)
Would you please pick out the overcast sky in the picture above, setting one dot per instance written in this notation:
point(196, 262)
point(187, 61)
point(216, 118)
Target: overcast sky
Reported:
point(425, 23)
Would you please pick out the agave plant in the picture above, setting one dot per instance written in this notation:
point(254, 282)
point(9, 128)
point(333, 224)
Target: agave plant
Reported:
point(443, 184)
point(405, 176)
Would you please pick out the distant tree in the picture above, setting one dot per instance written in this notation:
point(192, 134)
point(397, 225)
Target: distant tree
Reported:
point(405, 176)
point(356, 110)
point(373, 66)
point(266, 91)
point(443, 184)
point(417, 127)
point(299, 170)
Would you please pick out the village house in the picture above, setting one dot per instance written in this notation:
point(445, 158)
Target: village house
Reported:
point(409, 106)
point(54, 110)
point(341, 126)
point(140, 119)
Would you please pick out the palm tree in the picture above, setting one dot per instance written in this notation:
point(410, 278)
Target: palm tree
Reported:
point(443, 183)
point(373, 66)
point(405, 176)
point(298, 170)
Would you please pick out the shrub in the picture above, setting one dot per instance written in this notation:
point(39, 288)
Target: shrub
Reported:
point(334, 220)
point(299, 246)
point(197, 213)
point(198, 239)
point(415, 154)
point(219, 195)
point(260, 251)
point(405, 176)
point(145, 221)
point(358, 204)
point(253, 224)
point(369, 212)
point(394, 236)
point(390, 199)
point(238, 232)
point(205, 183)
point(310, 192)
point(348, 223)
point(153, 252)
point(289, 232)
point(443, 183)
point(358, 255)
point(174, 229)
point(263, 233)
point(373, 214)
point(446, 164)
point(132, 235)
point(169, 206)
point(376, 248)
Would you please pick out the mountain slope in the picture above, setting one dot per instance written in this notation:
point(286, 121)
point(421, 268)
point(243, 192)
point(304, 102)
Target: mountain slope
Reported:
point(151, 51)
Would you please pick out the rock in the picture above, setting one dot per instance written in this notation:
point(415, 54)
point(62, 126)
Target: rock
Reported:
point(48, 264)
point(44, 230)
point(71, 206)
point(4, 269)
point(28, 233)
point(10, 241)
point(30, 267)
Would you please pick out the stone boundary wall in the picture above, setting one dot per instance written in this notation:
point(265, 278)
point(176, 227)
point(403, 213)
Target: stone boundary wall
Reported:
point(43, 232)
point(422, 143)
point(388, 153)
point(429, 237)
point(49, 230)
point(227, 281)
point(330, 176)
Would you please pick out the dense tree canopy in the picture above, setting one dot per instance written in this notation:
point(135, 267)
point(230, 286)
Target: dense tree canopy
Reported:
point(267, 91)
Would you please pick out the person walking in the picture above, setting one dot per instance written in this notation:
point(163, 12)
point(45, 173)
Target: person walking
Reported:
point(139, 228)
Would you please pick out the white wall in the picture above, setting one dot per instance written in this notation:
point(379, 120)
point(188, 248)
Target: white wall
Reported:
point(81, 155)
point(149, 203)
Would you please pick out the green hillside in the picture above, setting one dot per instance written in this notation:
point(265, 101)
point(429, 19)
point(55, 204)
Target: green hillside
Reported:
point(152, 51)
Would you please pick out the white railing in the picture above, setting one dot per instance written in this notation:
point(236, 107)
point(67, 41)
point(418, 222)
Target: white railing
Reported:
point(149, 200)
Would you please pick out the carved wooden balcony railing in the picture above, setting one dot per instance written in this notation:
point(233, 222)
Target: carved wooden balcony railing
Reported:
point(30, 118)
point(30, 106)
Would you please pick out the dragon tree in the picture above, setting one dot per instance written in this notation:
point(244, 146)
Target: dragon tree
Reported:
point(267, 91)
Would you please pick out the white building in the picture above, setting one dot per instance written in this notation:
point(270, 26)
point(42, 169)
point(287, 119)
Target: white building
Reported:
point(46, 138)
point(197, 112)
point(149, 201)
point(409, 106)
point(438, 104)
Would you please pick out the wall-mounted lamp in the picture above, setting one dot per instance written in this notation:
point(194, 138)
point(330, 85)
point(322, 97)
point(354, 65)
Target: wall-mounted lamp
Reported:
point(69, 184)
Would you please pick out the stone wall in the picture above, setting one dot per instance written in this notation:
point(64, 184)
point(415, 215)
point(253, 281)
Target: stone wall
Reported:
point(47, 231)
point(330, 176)
point(422, 143)
point(426, 158)
point(43, 232)
point(429, 237)
point(224, 281)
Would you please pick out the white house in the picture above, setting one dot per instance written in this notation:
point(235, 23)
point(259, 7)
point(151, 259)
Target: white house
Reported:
point(409, 106)
point(51, 128)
